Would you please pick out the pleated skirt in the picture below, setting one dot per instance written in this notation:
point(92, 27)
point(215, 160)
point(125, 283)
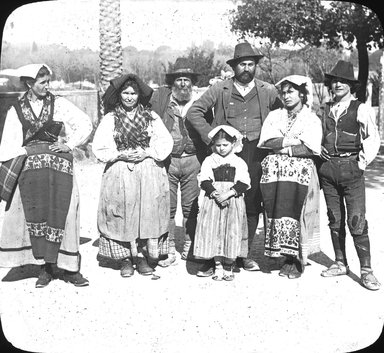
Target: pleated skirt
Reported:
point(220, 230)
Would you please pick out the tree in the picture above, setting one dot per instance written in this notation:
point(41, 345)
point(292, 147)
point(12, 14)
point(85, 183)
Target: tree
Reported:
point(202, 63)
point(309, 22)
point(111, 53)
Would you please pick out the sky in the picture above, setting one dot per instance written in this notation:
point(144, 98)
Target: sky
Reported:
point(146, 24)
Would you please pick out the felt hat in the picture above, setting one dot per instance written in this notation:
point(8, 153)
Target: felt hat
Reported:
point(300, 80)
point(343, 70)
point(182, 68)
point(111, 96)
point(244, 50)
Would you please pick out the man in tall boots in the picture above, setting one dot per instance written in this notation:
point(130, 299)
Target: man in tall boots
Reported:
point(350, 142)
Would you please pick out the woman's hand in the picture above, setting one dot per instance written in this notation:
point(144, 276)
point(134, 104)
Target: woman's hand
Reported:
point(134, 156)
point(59, 147)
point(224, 196)
point(282, 151)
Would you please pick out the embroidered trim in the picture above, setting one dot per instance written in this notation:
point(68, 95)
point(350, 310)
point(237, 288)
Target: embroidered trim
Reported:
point(29, 115)
point(40, 161)
point(43, 230)
point(277, 167)
point(283, 236)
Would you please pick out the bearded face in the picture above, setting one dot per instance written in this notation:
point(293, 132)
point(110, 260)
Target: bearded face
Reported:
point(245, 71)
point(182, 89)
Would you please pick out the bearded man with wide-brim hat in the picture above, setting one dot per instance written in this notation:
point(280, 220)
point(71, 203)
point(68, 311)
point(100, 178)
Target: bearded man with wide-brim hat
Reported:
point(172, 102)
point(242, 102)
point(350, 142)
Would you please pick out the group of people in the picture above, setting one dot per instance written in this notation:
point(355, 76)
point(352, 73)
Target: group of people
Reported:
point(243, 148)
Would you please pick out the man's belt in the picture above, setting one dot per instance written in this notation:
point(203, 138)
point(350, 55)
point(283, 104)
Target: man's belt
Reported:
point(344, 155)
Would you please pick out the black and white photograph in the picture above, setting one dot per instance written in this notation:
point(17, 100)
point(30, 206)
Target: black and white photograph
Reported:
point(183, 176)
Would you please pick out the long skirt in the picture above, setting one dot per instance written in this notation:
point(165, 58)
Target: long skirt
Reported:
point(15, 241)
point(133, 206)
point(220, 230)
point(290, 190)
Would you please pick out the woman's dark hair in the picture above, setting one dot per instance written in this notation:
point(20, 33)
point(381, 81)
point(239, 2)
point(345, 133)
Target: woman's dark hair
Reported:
point(221, 134)
point(133, 84)
point(302, 89)
point(354, 85)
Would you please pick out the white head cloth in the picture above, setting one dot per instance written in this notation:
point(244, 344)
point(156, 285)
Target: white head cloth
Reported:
point(231, 131)
point(299, 80)
point(31, 70)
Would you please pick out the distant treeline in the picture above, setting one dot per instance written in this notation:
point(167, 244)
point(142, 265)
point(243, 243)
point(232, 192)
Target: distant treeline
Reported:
point(207, 59)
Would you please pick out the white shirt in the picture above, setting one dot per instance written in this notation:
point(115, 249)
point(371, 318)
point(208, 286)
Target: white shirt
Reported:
point(244, 89)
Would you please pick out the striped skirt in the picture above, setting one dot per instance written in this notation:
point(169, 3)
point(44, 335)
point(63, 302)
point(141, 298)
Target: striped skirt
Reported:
point(220, 230)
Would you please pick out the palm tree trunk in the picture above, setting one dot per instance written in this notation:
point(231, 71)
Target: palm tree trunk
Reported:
point(111, 53)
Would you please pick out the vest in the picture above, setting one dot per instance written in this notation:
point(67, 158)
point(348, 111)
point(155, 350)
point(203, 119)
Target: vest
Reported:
point(244, 113)
point(342, 136)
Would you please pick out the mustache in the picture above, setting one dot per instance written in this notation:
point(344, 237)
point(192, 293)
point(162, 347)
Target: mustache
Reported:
point(182, 94)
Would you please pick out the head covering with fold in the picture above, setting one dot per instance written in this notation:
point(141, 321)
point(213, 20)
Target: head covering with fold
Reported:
point(300, 80)
point(31, 70)
point(231, 131)
point(111, 96)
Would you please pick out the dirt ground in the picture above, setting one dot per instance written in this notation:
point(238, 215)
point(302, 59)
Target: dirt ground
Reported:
point(257, 312)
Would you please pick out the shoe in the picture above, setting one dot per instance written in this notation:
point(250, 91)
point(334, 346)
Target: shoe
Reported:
point(208, 269)
point(369, 281)
point(45, 277)
point(228, 272)
point(76, 278)
point(218, 274)
point(127, 269)
point(285, 269)
point(336, 269)
point(186, 250)
point(295, 270)
point(250, 265)
point(142, 267)
point(171, 259)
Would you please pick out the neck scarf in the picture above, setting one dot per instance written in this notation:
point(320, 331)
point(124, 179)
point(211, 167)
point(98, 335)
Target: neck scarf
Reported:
point(131, 132)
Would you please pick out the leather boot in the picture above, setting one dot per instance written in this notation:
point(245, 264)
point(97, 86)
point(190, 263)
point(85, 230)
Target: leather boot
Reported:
point(338, 242)
point(362, 247)
point(142, 266)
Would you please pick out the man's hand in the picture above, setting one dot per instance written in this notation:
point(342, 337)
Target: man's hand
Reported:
point(324, 155)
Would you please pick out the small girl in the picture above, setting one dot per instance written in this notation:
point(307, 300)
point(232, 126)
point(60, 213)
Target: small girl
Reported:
point(222, 220)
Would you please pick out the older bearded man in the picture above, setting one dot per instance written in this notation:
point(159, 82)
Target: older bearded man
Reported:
point(183, 165)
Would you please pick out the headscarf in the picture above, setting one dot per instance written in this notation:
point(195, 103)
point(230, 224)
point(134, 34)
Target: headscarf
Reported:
point(300, 80)
point(231, 131)
point(111, 97)
point(31, 70)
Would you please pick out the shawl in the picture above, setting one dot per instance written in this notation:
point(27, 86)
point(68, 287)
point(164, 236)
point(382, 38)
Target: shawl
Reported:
point(131, 133)
point(306, 127)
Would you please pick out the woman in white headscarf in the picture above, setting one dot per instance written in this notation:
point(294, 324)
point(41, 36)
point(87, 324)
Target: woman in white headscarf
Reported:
point(289, 183)
point(41, 222)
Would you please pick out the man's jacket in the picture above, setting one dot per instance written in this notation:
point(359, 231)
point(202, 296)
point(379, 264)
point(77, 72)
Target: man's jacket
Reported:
point(217, 99)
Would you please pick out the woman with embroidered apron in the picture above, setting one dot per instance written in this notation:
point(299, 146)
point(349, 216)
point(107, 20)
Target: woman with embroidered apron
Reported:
point(41, 222)
point(134, 201)
point(289, 182)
